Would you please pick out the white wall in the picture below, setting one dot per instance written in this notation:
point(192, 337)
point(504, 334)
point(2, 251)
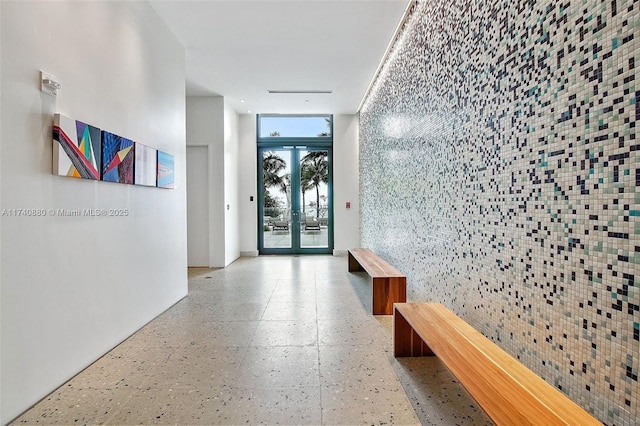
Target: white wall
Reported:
point(346, 183)
point(213, 123)
point(198, 206)
point(74, 287)
point(1, 205)
point(248, 185)
point(231, 185)
point(205, 127)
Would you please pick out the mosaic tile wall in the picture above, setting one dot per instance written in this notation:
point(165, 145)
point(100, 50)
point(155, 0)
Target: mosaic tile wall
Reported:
point(500, 171)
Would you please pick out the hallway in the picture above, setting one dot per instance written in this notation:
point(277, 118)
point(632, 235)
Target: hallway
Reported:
point(271, 340)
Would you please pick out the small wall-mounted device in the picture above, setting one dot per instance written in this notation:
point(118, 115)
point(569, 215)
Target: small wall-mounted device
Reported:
point(49, 84)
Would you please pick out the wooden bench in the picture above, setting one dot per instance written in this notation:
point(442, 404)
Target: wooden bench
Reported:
point(389, 285)
point(509, 392)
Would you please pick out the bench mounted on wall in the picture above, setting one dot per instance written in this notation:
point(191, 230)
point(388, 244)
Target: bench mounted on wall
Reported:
point(389, 285)
point(507, 391)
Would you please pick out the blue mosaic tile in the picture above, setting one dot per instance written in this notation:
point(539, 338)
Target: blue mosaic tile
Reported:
point(500, 170)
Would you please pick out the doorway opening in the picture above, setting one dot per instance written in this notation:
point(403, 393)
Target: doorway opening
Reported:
point(295, 181)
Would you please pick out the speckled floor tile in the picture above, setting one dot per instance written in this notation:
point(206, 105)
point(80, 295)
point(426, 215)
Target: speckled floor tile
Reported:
point(435, 394)
point(386, 322)
point(174, 332)
point(71, 404)
point(309, 353)
point(366, 404)
point(223, 296)
point(360, 282)
point(279, 366)
point(220, 334)
point(185, 312)
point(287, 406)
point(195, 273)
point(234, 311)
point(343, 301)
point(331, 281)
point(343, 309)
point(291, 311)
point(161, 406)
point(200, 368)
point(124, 366)
point(354, 366)
point(341, 332)
point(340, 294)
point(288, 294)
point(286, 333)
point(159, 333)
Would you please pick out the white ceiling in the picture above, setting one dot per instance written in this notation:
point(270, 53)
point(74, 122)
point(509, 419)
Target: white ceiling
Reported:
point(240, 49)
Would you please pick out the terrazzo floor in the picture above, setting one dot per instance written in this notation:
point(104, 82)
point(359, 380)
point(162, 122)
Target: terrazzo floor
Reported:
point(267, 340)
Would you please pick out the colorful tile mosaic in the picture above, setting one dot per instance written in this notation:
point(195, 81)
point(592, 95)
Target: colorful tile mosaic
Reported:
point(500, 170)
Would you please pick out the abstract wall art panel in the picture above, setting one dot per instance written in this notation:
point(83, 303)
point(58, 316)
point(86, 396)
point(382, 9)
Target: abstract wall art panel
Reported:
point(145, 165)
point(117, 158)
point(76, 148)
point(165, 170)
point(84, 151)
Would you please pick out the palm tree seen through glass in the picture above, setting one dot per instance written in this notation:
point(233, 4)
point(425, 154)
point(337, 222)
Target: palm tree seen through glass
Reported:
point(314, 171)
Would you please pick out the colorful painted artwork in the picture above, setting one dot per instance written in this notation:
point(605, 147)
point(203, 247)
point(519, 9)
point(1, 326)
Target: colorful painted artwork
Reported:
point(84, 151)
point(166, 173)
point(145, 165)
point(76, 148)
point(117, 158)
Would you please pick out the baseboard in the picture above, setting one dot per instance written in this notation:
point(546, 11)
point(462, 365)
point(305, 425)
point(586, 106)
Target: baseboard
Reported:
point(250, 253)
point(339, 252)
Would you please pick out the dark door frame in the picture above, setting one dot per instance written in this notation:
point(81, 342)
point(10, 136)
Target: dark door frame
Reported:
point(295, 145)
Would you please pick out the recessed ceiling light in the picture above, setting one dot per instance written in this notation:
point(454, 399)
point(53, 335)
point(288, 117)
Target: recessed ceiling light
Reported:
point(298, 92)
point(242, 100)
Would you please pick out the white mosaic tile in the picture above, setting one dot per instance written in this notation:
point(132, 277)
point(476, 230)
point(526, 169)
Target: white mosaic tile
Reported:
point(500, 171)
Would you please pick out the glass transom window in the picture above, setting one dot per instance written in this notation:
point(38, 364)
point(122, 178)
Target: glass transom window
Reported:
point(295, 126)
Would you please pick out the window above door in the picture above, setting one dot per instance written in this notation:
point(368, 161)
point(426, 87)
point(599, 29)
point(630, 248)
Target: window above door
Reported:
point(273, 127)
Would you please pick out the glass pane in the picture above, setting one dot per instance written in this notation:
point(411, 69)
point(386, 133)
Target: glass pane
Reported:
point(295, 126)
point(314, 199)
point(277, 198)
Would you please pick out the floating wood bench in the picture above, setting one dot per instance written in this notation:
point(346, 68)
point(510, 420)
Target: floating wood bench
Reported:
point(509, 392)
point(389, 285)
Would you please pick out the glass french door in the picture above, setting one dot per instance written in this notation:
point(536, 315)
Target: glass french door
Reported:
point(295, 200)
